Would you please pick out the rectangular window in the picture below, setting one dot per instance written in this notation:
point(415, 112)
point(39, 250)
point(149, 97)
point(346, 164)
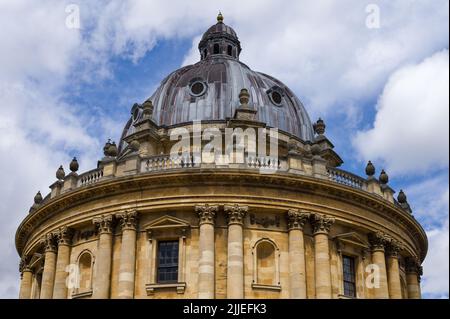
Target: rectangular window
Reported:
point(167, 261)
point(348, 265)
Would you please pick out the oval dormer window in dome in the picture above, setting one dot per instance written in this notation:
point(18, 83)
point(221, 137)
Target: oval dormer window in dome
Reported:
point(276, 95)
point(135, 112)
point(197, 87)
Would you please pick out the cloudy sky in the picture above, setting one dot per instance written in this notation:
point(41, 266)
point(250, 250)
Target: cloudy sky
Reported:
point(381, 86)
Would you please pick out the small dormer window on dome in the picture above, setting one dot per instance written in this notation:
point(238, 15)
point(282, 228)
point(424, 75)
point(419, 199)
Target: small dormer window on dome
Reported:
point(197, 87)
point(276, 95)
point(220, 39)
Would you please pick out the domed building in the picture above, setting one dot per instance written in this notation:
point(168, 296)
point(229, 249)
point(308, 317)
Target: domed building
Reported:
point(220, 187)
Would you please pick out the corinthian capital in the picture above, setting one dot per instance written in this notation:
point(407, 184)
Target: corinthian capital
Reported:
point(104, 223)
point(235, 213)
point(379, 240)
point(412, 265)
point(296, 219)
point(49, 242)
point(24, 264)
point(321, 223)
point(64, 235)
point(393, 248)
point(206, 213)
point(128, 219)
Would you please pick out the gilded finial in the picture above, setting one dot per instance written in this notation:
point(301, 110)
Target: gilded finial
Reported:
point(220, 17)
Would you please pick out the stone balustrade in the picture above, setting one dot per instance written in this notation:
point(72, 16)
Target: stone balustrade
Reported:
point(158, 163)
point(346, 178)
point(90, 177)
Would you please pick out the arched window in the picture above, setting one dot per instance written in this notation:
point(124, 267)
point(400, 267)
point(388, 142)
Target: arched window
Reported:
point(230, 50)
point(216, 49)
point(205, 53)
point(266, 271)
point(85, 271)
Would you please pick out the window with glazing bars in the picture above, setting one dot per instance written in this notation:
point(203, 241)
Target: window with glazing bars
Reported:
point(349, 276)
point(167, 261)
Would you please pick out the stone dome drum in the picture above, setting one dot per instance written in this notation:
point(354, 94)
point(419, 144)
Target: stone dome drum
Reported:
point(209, 91)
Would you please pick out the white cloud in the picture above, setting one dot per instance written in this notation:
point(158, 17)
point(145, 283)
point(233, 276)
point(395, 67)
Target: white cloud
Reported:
point(436, 271)
point(411, 128)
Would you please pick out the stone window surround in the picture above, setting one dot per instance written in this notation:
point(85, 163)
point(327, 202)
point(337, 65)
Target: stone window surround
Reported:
point(255, 284)
point(342, 241)
point(159, 233)
point(78, 293)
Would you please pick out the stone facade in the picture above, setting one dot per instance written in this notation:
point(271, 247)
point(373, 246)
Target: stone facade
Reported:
point(147, 225)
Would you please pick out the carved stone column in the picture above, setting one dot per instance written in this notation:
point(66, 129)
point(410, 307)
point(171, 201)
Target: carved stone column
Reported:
point(378, 242)
point(128, 223)
point(413, 272)
point(235, 263)
point(102, 278)
point(393, 270)
point(26, 275)
point(297, 269)
point(64, 237)
point(206, 278)
point(48, 274)
point(321, 227)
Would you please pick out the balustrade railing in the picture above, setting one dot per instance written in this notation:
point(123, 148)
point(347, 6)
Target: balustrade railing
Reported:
point(346, 178)
point(90, 177)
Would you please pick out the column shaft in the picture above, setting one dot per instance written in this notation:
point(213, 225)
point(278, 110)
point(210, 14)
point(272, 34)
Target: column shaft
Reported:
point(393, 274)
point(48, 275)
point(322, 225)
point(235, 261)
point(378, 258)
point(206, 264)
point(235, 270)
point(206, 271)
point(412, 286)
point(297, 273)
point(128, 221)
point(102, 279)
point(297, 264)
point(62, 261)
point(25, 284)
point(322, 266)
point(127, 264)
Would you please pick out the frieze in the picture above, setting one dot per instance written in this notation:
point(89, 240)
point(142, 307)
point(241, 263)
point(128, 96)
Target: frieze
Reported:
point(264, 221)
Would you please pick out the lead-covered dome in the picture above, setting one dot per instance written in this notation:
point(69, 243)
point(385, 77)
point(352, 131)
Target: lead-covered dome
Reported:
point(209, 90)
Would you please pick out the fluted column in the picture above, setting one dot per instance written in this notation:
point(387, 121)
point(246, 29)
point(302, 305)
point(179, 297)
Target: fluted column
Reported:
point(378, 241)
point(235, 263)
point(413, 272)
point(297, 269)
point(26, 280)
point(206, 278)
point(48, 274)
point(128, 223)
point(393, 270)
point(64, 237)
point(102, 278)
point(321, 227)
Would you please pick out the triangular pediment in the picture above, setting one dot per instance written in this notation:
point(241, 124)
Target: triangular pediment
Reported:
point(167, 222)
point(351, 238)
